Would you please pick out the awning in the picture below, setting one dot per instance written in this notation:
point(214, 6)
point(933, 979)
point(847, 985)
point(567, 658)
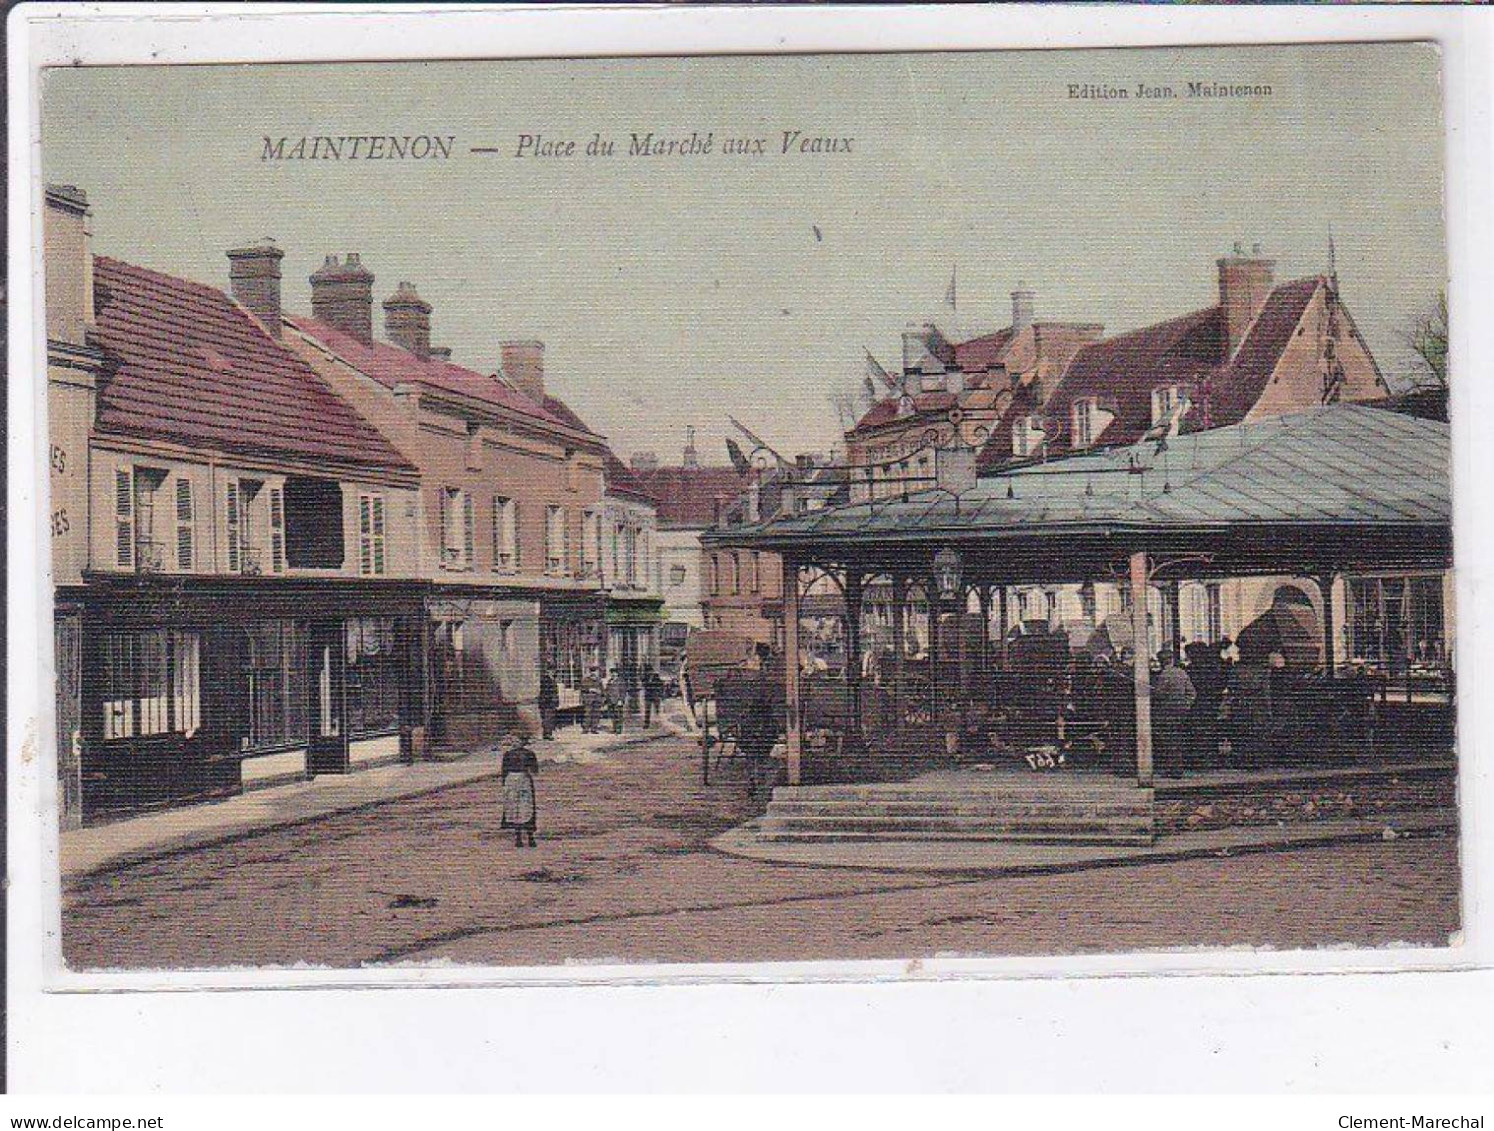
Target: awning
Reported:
point(637, 612)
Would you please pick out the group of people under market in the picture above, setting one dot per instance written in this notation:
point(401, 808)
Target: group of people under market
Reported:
point(520, 765)
point(1215, 706)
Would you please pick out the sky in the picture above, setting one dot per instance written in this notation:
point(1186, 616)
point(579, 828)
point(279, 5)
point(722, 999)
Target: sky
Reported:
point(672, 291)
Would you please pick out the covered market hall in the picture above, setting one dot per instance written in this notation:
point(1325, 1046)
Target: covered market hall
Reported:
point(1330, 529)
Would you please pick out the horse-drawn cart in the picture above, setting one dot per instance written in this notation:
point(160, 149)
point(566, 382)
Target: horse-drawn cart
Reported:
point(737, 705)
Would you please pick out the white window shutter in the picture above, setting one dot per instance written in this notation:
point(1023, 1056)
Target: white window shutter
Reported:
point(468, 530)
point(277, 530)
point(365, 534)
point(185, 519)
point(378, 534)
point(231, 514)
point(124, 517)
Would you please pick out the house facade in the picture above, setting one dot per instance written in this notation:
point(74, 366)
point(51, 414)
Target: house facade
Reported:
point(510, 511)
point(1261, 350)
point(689, 497)
point(627, 538)
point(237, 593)
point(954, 395)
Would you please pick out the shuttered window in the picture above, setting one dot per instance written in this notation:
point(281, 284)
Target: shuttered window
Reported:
point(457, 529)
point(124, 517)
point(277, 530)
point(185, 521)
point(233, 519)
point(505, 535)
point(371, 536)
point(469, 532)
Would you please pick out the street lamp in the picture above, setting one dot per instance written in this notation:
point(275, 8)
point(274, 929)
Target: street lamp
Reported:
point(947, 564)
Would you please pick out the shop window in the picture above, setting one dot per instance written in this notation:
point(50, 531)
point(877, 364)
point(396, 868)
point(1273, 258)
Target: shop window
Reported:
point(274, 661)
point(314, 524)
point(150, 683)
point(373, 676)
point(1395, 622)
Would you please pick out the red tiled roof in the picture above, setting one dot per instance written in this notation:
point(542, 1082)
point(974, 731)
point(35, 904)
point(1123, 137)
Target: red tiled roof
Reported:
point(885, 412)
point(186, 363)
point(984, 352)
point(391, 365)
point(623, 480)
point(686, 496)
point(1121, 373)
point(562, 412)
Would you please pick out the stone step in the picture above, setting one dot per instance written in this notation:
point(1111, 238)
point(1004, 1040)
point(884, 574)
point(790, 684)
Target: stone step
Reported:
point(916, 825)
point(993, 807)
point(893, 792)
point(821, 837)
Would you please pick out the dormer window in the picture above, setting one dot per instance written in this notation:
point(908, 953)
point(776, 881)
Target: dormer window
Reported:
point(1165, 402)
point(1028, 437)
point(1085, 429)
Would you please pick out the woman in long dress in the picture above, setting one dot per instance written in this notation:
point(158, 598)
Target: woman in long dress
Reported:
point(519, 810)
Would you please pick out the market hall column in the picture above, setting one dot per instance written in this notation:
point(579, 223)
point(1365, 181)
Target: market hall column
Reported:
point(1325, 587)
point(853, 648)
point(1143, 669)
point(793, 746)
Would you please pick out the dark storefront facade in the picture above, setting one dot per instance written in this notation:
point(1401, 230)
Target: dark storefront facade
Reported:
point(194, 688)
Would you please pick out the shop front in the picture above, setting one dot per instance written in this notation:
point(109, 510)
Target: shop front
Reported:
point(633, 641)
point(191, 688)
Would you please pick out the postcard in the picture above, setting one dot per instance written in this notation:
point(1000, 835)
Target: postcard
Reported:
point(534, 513)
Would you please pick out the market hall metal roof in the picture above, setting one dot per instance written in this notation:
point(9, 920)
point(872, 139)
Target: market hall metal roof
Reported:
point(1340, 465)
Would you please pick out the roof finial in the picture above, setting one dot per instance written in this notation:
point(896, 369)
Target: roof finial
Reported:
point(1332, 260)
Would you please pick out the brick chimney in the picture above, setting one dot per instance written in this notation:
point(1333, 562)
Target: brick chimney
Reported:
point(67, 239)
point(1244, 285)
point(1024, 307)
point(254, 278)
point(342, 297)
point(524, 366)
point(407, 320)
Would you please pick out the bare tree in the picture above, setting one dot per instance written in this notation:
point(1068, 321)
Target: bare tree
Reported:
point(1428, 338)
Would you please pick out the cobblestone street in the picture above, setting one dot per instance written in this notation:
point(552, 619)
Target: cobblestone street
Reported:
point(623, 871)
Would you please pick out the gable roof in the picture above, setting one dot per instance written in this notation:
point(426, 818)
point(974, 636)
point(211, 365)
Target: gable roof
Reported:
point(392, 365)
point(623, 480)
point(185, 363)
point(686, 496)
point(1120, 373)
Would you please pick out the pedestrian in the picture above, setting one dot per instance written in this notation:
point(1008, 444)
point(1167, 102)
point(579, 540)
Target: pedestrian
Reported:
point(617, 693)
point(1173, 696)
point(519, 810)
point(549, 702)
point(591, 701)
point(653, 695)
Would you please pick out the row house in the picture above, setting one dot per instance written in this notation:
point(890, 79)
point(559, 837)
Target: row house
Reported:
point(1262, 349)
point(630, 573)
point(687, 498)
point(511, 516)
point(235, 548)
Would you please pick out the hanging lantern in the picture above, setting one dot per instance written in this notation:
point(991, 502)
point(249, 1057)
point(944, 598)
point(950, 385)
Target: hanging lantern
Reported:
point(947, 563)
